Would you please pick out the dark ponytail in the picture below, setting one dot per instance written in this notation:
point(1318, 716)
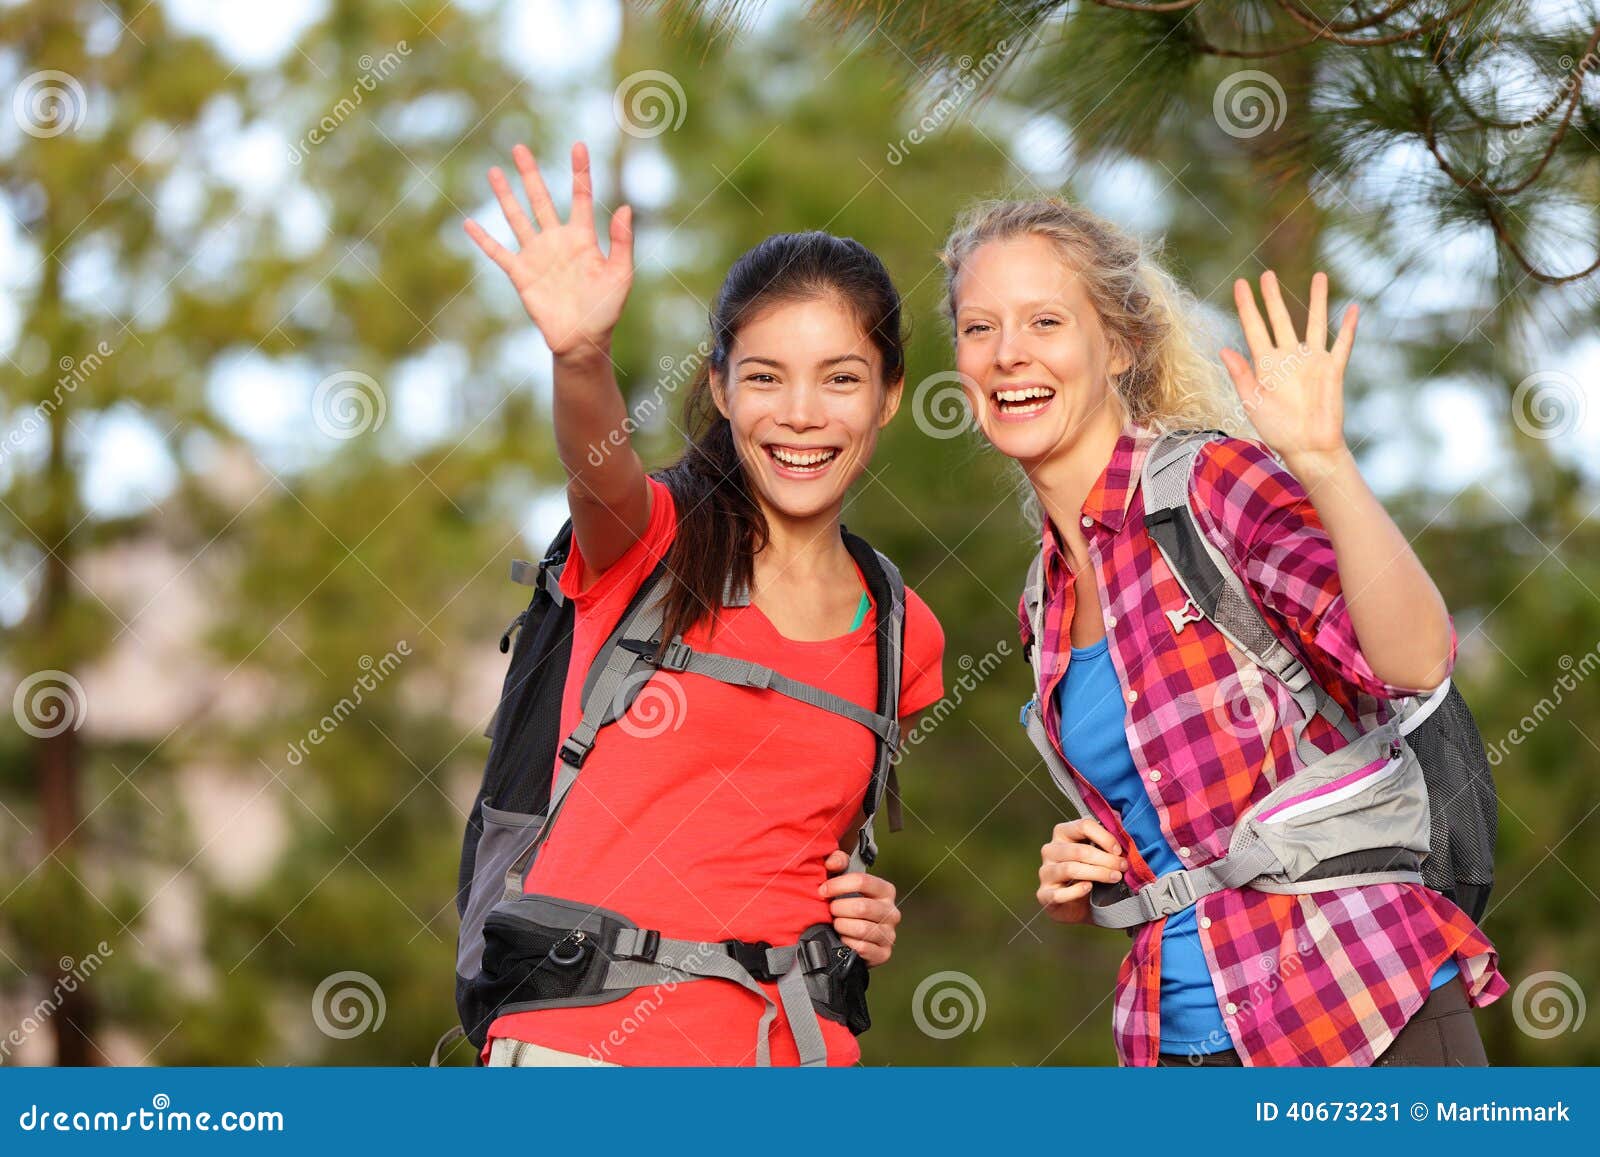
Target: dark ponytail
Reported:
point(721, 527)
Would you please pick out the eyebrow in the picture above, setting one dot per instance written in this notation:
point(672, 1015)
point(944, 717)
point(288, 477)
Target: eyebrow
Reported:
point(833, 361)
point(1028, 306)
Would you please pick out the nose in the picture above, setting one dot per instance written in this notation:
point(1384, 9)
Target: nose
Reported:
point(1010, 351)
point(801, 407)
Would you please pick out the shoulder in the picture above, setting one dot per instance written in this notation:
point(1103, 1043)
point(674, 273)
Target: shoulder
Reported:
point(922, 672)
point(623, 577)
point(1241, 486)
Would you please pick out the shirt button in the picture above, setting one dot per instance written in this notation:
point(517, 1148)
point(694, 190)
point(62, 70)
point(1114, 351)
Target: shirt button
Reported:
point(1132, 695)
point(1205, 921)
point(1155, 774)
point(1111, 620)
point(1184, 852)
point(1087, 521)
point(1231, 1008)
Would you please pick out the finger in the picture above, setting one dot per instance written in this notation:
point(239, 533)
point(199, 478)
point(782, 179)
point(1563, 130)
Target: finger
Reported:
point(863, 908)
point(837, 861)
point(873, 954)
point(1282, 324)
point(544, 209)
point(622, 239)
point(867, 885)
point(1244, 378)
point(1347, 336)
point(1317, 318)
point(1071, 872)
point(1071, 892)
point(865, 931)
point(582, 187)
point(1080, 854)
point(1079, 830)
point(495, 251)
point(1255, 330)
point(511, 208)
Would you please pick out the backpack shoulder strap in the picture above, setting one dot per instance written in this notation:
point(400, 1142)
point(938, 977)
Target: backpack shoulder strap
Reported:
point(888, 590)
point(1214, 589)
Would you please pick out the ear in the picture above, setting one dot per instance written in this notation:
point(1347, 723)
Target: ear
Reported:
point(891, 400)
point(719, 395)
point(1121, 361)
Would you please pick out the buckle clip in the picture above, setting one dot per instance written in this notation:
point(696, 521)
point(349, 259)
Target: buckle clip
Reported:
point(573, 753)
point(1191, 613)
point(752, 957)
point(1176, 895)
point(643, 943)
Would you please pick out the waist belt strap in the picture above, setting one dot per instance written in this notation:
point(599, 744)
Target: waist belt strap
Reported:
point(655, 959)
point(1176, 891)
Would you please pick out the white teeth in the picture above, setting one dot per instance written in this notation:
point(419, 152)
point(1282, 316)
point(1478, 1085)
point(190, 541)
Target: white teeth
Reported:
point(1027, 393)
point(803, 459)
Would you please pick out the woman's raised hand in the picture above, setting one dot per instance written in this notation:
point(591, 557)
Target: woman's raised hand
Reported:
point(1292, 390)
point(572, 291)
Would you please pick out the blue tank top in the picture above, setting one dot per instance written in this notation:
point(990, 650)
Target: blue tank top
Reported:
point(1094, 739)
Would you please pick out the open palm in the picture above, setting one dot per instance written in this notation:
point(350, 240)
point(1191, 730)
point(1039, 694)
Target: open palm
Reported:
point(1292, 390)
point(573, 292)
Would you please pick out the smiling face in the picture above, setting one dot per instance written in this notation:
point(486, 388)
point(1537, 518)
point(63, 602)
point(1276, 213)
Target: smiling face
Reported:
point(1035, 360)
point(804, 392)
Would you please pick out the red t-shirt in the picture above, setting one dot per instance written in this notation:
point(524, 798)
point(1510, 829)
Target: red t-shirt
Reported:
point(707, 813)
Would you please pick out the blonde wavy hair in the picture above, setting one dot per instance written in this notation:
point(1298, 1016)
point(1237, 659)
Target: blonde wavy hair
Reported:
point(1171, 383)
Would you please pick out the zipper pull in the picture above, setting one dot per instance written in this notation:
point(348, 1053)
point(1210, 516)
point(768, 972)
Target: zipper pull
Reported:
point(505, 639)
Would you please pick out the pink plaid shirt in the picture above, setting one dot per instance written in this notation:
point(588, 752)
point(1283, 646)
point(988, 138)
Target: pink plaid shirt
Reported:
point(1319, 979)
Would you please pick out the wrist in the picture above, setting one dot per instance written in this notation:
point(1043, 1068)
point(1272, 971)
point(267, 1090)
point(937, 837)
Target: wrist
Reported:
point(1314, 466)
point(588, 354)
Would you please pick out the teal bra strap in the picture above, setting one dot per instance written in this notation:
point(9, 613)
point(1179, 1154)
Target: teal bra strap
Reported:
point(861, 611)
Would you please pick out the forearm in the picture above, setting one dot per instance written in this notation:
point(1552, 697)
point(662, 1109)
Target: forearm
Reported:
point(606, 488)
point(1400, 619)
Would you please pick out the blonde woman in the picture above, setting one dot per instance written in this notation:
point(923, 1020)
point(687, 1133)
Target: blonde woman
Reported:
point(1076, 350)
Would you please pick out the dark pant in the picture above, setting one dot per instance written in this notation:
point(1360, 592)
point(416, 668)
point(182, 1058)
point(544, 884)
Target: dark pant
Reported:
point(1441, 1032)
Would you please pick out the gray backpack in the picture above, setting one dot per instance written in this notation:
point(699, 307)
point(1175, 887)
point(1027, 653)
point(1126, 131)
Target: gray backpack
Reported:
point(1426, 814)
point(518, 952)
